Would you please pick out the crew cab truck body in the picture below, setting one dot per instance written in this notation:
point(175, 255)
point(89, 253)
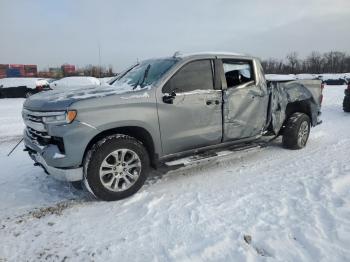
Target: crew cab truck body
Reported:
point(161, 110)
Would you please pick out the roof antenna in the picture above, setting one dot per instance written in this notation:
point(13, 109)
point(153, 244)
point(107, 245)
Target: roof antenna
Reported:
point(176, 54)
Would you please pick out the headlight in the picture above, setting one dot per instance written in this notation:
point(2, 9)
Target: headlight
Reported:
point(60, 117)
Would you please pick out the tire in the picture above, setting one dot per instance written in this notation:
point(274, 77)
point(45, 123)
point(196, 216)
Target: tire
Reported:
point(296, 131)
point(116, 167)
point(346, 104)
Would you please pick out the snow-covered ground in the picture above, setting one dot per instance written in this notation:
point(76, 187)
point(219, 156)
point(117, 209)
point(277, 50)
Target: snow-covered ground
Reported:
point(280, 77)
point(11, 124)
point(289, 205)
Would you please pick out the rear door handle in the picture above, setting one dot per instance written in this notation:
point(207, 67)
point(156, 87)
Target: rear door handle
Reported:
point(210, 102)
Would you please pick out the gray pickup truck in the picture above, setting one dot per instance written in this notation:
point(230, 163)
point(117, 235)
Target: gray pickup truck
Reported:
point(109, 138)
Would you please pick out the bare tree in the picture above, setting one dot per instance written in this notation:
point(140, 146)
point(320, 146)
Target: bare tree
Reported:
point(315, 63)
point(293, 61)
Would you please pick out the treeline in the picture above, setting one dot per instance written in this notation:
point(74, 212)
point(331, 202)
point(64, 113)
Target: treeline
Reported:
point(96, 71)
point(315, 63)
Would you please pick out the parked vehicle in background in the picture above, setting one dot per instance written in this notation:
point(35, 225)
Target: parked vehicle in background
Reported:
point(74, 82)
point(335, 82)
point(346, 101)
point(164, 112)
point(22, 87)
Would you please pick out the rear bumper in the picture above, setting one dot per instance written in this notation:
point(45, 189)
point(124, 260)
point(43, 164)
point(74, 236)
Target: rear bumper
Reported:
point(71, 174)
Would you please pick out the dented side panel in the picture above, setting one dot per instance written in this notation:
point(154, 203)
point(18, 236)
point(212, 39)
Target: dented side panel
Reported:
point(283, 94)
point(245, 112)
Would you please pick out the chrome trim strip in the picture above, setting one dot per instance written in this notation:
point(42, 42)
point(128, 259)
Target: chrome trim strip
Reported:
point(33, 131)
point(38, 113)
point(35, 125)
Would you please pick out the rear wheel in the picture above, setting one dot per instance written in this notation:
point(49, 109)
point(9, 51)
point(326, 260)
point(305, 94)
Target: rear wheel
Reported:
point(116, 167)
point(346, 104)
point(296, 131)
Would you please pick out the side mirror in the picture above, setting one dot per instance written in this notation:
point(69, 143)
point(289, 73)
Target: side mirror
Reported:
point(168, 99)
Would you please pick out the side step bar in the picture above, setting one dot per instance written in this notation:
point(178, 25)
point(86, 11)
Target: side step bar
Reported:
point(212, 154)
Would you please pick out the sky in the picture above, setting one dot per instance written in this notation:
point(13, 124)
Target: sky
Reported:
point(50, 33)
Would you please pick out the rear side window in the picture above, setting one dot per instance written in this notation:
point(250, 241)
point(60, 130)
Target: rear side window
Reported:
point(197, 75)
point(237, 72)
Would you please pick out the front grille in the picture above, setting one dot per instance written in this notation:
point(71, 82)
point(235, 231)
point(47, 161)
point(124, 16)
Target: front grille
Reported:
point(36, 129)
point(37, 134)
point(37, 119)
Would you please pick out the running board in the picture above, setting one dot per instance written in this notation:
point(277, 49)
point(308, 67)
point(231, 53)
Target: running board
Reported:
point(210, 155)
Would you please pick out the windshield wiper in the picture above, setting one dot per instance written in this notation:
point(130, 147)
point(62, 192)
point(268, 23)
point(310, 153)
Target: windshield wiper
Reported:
point(144, 76)
point(122, 74)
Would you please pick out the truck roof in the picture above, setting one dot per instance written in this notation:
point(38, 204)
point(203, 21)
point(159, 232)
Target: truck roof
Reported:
point(211, 54)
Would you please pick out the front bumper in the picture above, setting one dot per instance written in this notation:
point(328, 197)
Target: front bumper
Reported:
point(71, 174)
point(51, 152)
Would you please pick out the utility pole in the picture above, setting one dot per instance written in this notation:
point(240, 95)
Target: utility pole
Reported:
point(99, 56)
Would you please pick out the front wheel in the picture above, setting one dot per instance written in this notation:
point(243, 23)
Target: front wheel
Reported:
point(116, 167)
point(296, 131)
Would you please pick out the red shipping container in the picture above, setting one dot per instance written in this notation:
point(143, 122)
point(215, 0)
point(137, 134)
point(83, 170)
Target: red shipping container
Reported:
point(68, 69)
point(3, 73)
point(4, 66)
point(31, 70)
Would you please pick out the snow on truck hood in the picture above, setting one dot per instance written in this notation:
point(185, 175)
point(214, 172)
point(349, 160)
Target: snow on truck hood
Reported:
point(60, 99)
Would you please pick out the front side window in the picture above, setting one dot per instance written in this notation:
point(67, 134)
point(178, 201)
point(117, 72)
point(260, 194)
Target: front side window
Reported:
point(195, 75)
point(237, 72)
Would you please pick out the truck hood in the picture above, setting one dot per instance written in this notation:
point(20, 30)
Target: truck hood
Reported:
point(61, 99)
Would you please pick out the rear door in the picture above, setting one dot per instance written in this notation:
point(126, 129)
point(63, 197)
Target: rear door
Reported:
point(245, 100)
point(189, 108)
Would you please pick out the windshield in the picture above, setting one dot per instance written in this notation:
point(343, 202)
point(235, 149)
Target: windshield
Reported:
point(146, 73)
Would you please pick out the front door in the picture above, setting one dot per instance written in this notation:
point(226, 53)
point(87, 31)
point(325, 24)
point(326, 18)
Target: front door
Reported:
point(245, 100)
point(190, 109)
